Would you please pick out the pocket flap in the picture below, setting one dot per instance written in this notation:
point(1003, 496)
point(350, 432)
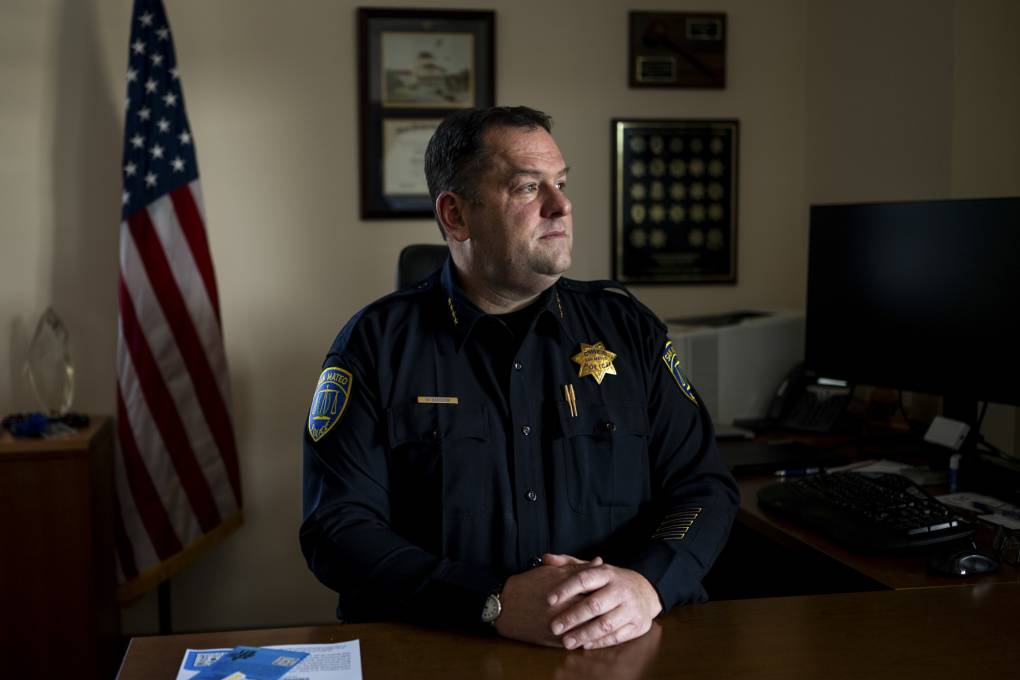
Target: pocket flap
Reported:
point(415, 422)
point(604, 419)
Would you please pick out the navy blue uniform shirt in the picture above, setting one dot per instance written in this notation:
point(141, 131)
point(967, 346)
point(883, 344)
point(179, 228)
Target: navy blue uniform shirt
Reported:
point(442, 455)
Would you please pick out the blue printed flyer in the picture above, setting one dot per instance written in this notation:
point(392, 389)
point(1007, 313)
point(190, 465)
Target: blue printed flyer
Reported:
point(252, 663)
point(333, 661)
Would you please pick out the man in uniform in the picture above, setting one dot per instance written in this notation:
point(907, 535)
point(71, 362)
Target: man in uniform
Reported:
point(502, 445)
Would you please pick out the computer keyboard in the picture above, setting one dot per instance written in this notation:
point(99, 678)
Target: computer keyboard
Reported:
point(866, 511)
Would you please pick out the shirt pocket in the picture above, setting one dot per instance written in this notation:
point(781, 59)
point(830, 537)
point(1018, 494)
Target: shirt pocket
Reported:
point(439, 455)
point(604, 455)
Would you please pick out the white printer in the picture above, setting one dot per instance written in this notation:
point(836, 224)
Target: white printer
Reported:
point(737, 360)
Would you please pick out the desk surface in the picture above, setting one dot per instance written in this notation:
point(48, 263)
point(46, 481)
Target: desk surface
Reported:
point(896, 572)
point(926, 633)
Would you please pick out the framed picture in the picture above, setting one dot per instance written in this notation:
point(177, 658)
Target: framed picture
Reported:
point(675, 201)
point(415, 67)
point(677, 49)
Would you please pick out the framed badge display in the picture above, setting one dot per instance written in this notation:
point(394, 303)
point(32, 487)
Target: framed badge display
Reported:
point(674, 201)
point(415, 67)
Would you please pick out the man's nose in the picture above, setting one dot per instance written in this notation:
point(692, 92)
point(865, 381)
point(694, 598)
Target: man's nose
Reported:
point(556, 204)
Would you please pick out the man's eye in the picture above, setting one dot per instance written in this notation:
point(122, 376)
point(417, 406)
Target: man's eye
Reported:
point(561, 185)
point(528, 188)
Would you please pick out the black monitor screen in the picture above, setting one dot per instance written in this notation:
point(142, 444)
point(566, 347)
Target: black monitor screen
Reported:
point(920, 296)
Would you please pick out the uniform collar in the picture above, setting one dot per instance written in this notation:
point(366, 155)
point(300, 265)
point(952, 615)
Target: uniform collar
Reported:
point(461, 314)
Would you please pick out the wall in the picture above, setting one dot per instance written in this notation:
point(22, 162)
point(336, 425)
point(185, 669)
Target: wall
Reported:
point(271, 93)
point(986, 136)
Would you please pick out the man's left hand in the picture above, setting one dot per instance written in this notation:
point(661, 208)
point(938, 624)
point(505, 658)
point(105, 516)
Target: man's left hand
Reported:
point(619, 606)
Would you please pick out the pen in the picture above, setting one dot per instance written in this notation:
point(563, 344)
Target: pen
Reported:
point(571, 399)
point(798, 472)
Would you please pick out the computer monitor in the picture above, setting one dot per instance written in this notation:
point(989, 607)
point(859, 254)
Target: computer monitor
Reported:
point(921, 296)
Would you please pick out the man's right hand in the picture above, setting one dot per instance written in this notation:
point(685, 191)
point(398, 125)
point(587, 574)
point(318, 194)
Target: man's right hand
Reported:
point(526, 614)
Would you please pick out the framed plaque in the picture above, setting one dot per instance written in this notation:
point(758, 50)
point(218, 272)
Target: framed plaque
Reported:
point(675, 201)
point(415, 66)
point(677, 49)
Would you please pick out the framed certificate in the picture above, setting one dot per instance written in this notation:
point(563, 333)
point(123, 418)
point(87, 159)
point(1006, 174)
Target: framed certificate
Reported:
point(415, 67)
point(675, 201)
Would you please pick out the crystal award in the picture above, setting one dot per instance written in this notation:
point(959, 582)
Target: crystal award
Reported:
point(49, 366)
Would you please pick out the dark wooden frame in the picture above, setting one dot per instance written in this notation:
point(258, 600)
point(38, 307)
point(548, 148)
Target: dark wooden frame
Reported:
point(692, 264)
point(657, 40)
point(372, 23)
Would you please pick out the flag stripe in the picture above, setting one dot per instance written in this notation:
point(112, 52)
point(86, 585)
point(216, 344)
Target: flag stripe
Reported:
point(196, 299)
point(195, 360)
point(147, 437)
point(125, 553)
point(165, 416)
point(194, 232)
point(150, 508)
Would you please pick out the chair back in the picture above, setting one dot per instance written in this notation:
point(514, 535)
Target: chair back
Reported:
point(418, 261)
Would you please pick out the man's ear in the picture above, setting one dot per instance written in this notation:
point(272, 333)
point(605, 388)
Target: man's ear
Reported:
point(450, 209)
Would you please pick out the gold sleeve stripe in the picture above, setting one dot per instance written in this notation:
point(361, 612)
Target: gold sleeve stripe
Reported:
point(675, 525)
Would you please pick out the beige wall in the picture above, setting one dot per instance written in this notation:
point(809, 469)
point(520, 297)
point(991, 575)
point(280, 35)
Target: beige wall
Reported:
point(834, 104)
point(986, 132)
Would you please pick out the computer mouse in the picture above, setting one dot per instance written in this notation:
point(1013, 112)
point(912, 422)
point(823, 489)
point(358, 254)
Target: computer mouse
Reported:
point(962, 563)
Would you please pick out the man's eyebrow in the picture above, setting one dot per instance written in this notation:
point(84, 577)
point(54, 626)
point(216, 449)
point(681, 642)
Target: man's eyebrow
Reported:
point(528, 172)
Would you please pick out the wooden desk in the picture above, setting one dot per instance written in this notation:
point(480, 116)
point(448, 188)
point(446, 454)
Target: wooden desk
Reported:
point(888, 571)
point(58, 613)
point(928, 634)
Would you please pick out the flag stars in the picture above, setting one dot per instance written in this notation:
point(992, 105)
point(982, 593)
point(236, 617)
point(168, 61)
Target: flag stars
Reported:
point(132, 75)
point(174, 73)
point(138, 141)
point(150, 179)
point(145, 19)
point(150, 85)
point(125, 196)
point(163, 33)
point(130, 169)
point(156, 151)
point(157, 59)
point(170, 99)
point(184, 137)
point(177, 164)
point(163, 124)
point(138, 47)
point(144, 113)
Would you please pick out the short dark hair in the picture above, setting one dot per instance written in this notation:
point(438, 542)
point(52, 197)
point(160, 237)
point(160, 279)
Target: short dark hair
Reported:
point(456, 155)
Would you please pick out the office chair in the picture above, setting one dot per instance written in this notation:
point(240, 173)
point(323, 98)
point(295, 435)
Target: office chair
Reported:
point(418, 261)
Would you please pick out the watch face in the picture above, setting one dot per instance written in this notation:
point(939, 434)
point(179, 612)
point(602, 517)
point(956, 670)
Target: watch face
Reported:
point(492, 609)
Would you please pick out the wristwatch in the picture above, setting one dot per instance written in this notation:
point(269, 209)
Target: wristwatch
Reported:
point(492, 609)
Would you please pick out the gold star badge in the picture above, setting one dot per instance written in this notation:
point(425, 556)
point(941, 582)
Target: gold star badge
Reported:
point(594, 360)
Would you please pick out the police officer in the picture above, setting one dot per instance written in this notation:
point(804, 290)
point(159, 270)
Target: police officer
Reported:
point(503, 446)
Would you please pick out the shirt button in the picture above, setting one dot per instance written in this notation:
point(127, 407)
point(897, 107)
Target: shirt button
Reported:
point(526, 430)
point(609, 427)
point(518, 365)
point(532, 496)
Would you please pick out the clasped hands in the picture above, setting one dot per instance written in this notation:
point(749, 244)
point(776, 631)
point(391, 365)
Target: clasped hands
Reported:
point(574, 603)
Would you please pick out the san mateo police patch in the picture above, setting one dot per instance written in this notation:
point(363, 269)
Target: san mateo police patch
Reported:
point(330, 401)
point(672, 361)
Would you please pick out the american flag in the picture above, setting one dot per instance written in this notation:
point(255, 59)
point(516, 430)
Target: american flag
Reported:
point(178, 484)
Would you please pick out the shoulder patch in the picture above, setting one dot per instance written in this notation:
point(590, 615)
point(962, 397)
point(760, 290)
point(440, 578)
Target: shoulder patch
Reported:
point(672, 361)
point(330, 401)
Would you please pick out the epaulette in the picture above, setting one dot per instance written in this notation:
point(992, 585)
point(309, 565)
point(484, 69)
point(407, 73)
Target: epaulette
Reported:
point(613, 288)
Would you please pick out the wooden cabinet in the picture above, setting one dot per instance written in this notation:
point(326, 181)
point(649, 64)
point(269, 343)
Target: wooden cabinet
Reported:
point(58, 609)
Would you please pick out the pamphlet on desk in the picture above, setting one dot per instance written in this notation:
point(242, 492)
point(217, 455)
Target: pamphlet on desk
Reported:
point(337, 661)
